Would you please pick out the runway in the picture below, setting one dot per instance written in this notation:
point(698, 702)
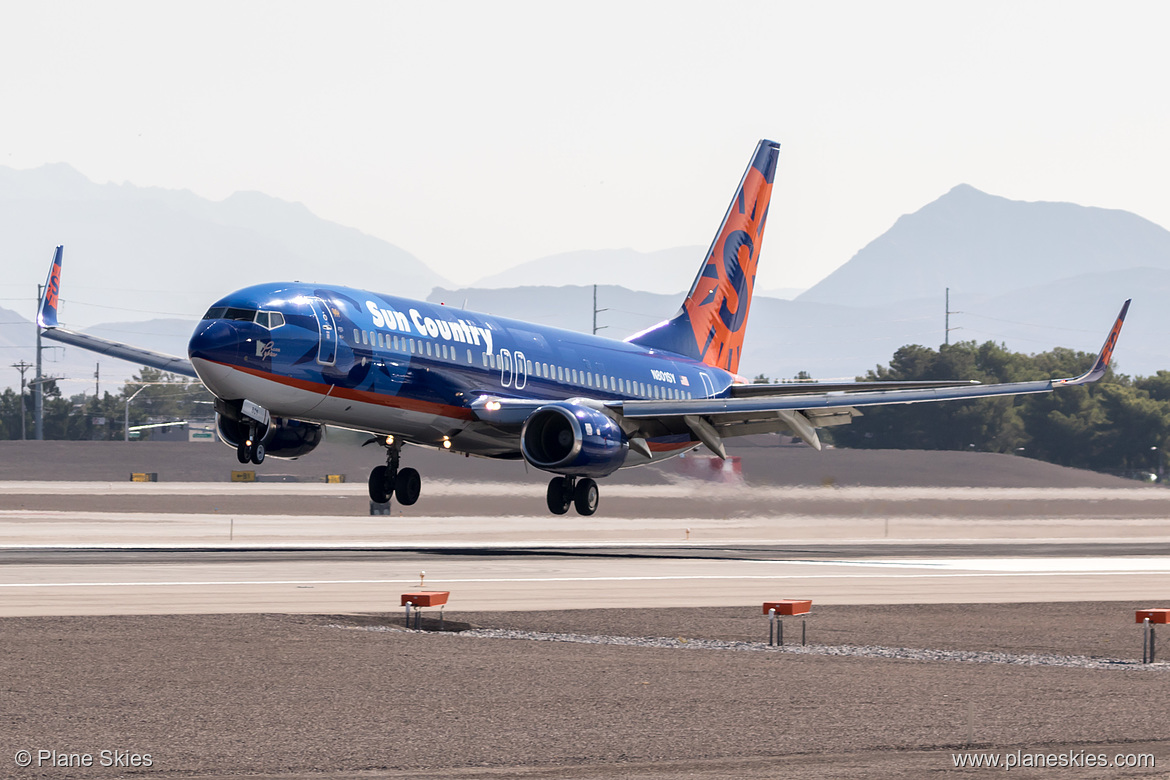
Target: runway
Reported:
point(225, 628)
point(136, 550)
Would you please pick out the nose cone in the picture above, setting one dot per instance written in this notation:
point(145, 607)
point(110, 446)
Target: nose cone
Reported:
point(215, 340)
point(213, 349)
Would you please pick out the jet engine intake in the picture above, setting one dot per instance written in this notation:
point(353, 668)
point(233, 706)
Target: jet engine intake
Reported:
point(568, 438)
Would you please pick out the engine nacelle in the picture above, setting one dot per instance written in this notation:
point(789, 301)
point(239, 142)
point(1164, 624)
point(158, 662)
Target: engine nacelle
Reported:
point(282, 439)
point(566, 438)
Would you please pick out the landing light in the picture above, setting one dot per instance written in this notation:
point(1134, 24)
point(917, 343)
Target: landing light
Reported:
point(389, 439)
point(493, 406)
point(446, 444)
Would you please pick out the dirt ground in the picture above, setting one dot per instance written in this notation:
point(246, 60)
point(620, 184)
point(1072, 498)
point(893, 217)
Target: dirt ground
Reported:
point(320, 696)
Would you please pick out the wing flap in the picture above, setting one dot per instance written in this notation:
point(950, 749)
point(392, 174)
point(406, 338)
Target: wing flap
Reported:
point(812, 388)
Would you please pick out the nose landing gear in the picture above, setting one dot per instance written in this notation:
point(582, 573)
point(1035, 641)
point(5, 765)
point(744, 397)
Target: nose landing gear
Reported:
point(250, 450)
point(580, 493)
point(389, 480)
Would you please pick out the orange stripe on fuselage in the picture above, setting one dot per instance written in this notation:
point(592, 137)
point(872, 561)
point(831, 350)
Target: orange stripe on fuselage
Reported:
point(364, 396)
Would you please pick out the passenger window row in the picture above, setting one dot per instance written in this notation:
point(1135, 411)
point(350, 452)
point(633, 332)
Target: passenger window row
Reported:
point(552, 372)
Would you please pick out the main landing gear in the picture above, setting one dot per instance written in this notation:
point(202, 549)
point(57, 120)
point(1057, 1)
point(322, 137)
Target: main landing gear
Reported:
point(566, 491)
point(403, 484)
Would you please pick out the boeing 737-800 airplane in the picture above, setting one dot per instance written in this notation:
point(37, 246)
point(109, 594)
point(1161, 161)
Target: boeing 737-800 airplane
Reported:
point(286, 359)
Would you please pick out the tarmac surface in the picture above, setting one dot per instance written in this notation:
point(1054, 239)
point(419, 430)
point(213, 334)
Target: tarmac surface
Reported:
point(254, 629)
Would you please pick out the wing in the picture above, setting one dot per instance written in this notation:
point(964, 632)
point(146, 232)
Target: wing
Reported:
point(811, 388)
point(47, 322)
point(710, 420)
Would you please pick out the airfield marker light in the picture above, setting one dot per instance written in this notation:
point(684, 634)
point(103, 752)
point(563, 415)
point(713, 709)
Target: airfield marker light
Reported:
point(422, 575)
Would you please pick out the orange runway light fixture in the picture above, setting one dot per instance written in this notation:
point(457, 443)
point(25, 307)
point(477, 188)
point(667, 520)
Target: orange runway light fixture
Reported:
point(789, 606)
point(426, 598)
point(1155, 615)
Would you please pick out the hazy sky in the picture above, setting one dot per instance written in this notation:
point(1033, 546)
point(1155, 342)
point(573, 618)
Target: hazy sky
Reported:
point(481, 135)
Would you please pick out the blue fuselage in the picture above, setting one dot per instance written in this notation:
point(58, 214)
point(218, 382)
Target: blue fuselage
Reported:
point(410, 368)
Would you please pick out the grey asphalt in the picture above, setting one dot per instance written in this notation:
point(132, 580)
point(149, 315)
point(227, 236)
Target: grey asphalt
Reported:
point(420, 555)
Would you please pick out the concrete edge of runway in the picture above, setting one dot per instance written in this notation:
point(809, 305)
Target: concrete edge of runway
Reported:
point(527, 489)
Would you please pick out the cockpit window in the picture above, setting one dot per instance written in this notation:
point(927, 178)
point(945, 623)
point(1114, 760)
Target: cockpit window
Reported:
point(269, 319)
point(265, 319)
point(243, 315)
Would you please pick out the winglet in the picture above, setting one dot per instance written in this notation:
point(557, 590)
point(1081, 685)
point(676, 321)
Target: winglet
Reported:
point(1104, 356)
point(47, 311)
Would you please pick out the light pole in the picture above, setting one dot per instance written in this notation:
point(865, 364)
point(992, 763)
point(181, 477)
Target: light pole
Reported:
point(126, 427)
point(1157, 462)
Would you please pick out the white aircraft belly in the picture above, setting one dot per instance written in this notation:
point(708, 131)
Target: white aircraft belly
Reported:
point(278, 398)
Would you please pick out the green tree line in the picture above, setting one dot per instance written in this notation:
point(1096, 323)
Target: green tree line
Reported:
point(162, 397)
point(1117, 424)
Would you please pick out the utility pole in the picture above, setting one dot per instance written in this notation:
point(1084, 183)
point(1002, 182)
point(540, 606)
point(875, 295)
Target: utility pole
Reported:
point(597, 311)
point(39, 402)
point(22, 367)
point(97, 378)
point(947, 322)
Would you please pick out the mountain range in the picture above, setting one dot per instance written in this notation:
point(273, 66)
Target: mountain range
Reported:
point(1030, 275)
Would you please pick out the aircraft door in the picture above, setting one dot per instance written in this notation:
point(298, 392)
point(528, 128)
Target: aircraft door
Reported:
point(505, 368)
point(327, 327)
point(521, 371)
point(708, 389)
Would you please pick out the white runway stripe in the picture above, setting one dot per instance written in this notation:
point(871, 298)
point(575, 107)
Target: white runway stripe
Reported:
point(490, 580)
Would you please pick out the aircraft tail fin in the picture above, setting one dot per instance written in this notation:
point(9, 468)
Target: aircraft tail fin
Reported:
point(47, 310)
point(711, 324)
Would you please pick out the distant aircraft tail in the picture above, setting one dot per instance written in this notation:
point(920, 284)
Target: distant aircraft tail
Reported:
point(47, 310)
point(713, 319)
